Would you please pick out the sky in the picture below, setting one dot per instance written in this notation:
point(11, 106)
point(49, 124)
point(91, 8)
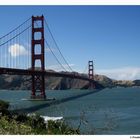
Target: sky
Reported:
point(108, 35)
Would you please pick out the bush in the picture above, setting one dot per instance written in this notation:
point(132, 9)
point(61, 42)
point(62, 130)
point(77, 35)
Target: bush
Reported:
point(13, 123)
point(13, 128)
point(36, 122)
point(3, 105)
point(22, 118)
point(59, 127)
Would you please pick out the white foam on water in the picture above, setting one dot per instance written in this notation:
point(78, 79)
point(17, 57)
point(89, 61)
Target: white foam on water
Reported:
point(47, 118)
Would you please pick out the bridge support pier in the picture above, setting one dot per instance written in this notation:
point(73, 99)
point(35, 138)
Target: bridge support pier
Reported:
point(38, 81)
point(38, 87)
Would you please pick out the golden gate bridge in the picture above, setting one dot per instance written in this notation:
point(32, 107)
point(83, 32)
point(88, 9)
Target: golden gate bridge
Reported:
point(23, 51)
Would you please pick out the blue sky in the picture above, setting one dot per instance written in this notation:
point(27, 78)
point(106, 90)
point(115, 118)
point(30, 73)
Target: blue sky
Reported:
point(109, 35)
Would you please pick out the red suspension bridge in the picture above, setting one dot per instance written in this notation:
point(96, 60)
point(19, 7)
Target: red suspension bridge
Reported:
point(25, 51)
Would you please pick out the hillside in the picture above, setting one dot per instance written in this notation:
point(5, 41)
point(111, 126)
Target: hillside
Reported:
point(15, 82)
point(110, 83)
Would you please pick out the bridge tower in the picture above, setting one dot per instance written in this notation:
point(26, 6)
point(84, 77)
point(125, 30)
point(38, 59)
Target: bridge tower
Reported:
point(91, 73)
point(38, 81)
point(90, 70)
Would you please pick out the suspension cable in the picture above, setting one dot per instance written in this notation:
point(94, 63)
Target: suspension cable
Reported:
point(54, 55)
point(15, 28)
point(15, 36)
point(57, 46)
point(52, 52)
point(85, 69)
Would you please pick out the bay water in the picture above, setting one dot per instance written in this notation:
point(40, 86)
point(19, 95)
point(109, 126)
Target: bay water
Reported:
point(113, 111)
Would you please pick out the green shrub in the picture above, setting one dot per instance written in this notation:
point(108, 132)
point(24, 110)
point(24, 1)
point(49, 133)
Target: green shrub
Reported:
point(22, 118)
point(36, 122)
point(59, 127)
point(13, 128)
point(3, 105)
point(13, 123)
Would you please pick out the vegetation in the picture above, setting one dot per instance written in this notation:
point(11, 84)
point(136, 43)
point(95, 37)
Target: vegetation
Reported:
point(22, 124)
point(14, 123)
point(12, 127)
point(61, 128)
point(3, 105)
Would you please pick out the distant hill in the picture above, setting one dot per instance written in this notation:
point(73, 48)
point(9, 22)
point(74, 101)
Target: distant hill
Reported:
point(110, 83)
point(136, 82)
point(104, 81)
point(14, 82)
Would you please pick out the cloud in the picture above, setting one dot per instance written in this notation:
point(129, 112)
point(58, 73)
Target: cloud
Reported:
point(17, 50)
point(125, 73)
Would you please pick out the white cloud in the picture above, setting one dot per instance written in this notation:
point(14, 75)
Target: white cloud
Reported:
point(126, 73)
point(17, 50)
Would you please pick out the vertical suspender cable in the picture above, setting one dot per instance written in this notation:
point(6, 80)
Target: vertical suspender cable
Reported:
point(0, 53)
point(19, 49)
point(28, 48)
point(12, 50)
point(57, 46)
point(9, 52)
point(16, 50)
point(6, 59)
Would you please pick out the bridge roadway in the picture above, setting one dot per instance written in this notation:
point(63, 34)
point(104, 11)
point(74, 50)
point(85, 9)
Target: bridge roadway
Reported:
point(12, 71)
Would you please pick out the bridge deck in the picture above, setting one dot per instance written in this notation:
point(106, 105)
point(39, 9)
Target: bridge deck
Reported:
point(12, 71)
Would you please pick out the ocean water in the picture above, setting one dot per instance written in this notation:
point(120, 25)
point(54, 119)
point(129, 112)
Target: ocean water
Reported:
point(113, 111)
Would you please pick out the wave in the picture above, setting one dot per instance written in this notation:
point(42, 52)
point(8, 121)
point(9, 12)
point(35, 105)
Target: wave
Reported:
point(47, 118)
